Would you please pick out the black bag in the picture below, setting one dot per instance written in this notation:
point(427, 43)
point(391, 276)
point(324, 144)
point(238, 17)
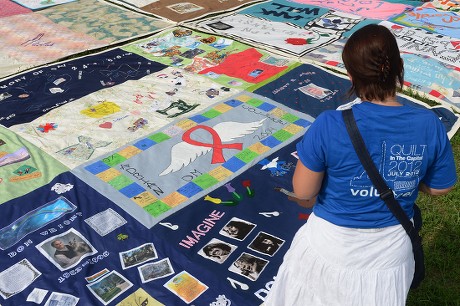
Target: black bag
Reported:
point(386, 194)
point(417, 249)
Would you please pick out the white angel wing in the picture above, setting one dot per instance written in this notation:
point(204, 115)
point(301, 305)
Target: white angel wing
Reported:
point(230, 130)
point(183, 153)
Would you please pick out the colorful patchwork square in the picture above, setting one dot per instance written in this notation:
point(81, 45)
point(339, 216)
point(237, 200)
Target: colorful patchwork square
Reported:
point(159, 137)
point(246, 155)
point(129, 151)
point(220, 173)
point(97, 167)
point(270, 141)
point(157, 208)
point(234, 164)
point(144, 144)
point(114, 159)
point(120, 182)
point(189, 189)
point(132, 190)
point(109, 174)
point(145, 198)
point(174, 199)
point(205, 181)
point(267, 107)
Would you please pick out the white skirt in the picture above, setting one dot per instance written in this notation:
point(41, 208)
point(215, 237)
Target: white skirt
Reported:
point(331, 265)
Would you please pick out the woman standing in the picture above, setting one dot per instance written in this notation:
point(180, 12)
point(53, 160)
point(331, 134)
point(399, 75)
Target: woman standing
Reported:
point(352, 250)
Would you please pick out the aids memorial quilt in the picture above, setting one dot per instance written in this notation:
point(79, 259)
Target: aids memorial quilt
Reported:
point(381, 10)
point(312, 90)
point(431, 19)
point(147, 148)
point(419, 41)
point(192, 156)
point(113, 116)
point(282, 26)
point(235, 237)
point(224, 60)
point(444, 49)
point(23, 166)
point(38, 38)
point(30, 95)
point(430, 70)
point(179, 11)
point(41, 41)
point(104, 21)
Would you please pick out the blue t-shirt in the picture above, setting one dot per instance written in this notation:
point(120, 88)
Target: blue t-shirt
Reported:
point(408, 145)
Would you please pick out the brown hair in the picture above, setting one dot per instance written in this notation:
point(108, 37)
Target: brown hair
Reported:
point(372, 59)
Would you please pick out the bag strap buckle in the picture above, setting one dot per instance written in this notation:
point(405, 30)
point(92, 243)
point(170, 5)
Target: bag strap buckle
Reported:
point(387, 194)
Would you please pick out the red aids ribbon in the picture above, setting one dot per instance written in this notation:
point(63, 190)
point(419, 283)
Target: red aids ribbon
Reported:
point(217, 146)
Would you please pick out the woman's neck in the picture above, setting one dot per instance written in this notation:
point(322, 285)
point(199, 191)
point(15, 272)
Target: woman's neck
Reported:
point(389, 101)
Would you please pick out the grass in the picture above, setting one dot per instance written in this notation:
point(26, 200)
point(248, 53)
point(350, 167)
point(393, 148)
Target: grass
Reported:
point(441, 240)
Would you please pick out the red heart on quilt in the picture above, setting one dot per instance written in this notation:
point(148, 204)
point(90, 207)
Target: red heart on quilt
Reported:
point(106, 125)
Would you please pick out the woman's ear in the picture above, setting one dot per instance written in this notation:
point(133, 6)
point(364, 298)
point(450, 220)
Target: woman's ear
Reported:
point(349, 76)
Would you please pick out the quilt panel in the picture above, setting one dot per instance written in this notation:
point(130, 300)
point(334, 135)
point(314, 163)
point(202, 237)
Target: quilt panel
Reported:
point(192, 156)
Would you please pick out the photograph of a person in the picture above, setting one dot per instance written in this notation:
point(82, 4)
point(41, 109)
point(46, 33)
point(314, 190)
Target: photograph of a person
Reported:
point(67, 249)
point(249, 266)
point(266, 244)
point(217, 250)
point(237, 229)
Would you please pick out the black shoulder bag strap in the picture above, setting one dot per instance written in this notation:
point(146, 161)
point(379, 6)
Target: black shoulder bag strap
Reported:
point(386, 194)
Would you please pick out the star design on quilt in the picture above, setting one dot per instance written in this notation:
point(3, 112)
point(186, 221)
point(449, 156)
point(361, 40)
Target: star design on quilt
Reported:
point(49, 126)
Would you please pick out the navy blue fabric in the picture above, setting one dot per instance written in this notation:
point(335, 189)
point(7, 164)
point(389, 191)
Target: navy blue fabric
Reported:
point(28, 96)
point(286, 90)
point(166, 241)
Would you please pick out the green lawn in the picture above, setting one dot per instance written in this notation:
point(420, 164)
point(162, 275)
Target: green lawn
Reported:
point(441, 237)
